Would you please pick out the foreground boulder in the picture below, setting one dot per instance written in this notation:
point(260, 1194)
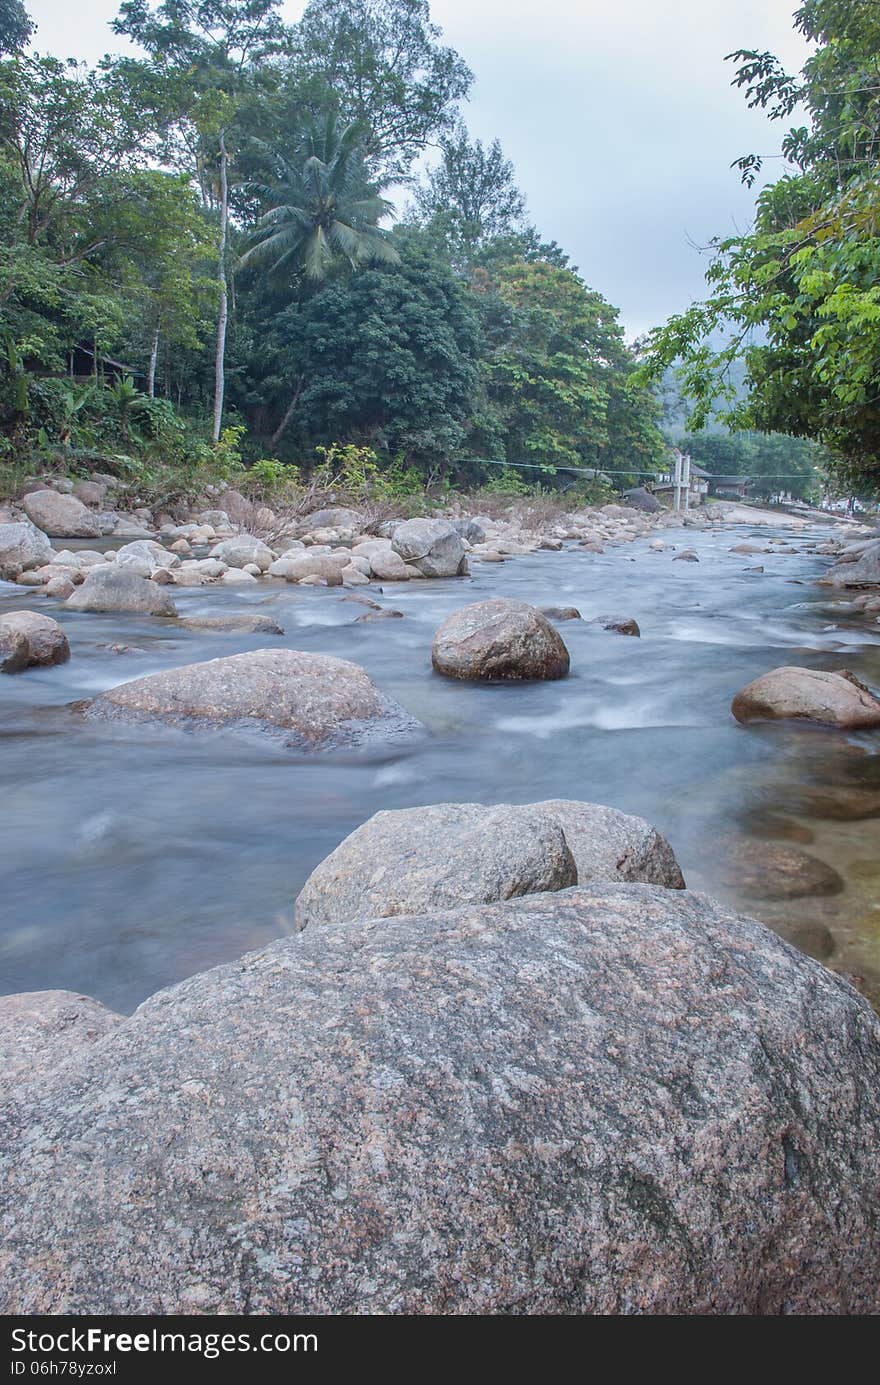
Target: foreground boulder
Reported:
point(609, 1100)
point(40, 1030)
point(449, 854)
point(111, 589)
point(807, 694)
point(499, 639)
point(309, 700)
point(61, 516)
point(22, 546)
point(431, 546)
point(46, 641)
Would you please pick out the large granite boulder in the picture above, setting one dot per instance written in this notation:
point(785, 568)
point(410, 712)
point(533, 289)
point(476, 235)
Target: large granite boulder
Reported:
point(614, 1099)
point(110, 588)
point(431, 546)
point(40, 1030)
point(61, 516)
point(808, 694)
point(307, 700)
point(416, 860)
point(864, 572)
point(499, 639)
point(22, 546)
point(46, 640)
point(638, 498)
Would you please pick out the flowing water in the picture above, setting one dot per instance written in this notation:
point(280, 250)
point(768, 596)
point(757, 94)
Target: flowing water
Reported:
point(132, 857)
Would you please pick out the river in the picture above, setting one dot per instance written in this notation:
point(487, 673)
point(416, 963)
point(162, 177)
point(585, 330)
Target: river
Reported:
point(134, 857)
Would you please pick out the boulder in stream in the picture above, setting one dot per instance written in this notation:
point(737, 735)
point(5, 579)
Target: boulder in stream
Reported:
point(46, 641)
point(61, 516)
point(22, 546)
point(609, 1100)
point(808, 694)
point(110, 589)
point(40, 1030)
point(499, 639)
point(307, 700)
point(432, 546)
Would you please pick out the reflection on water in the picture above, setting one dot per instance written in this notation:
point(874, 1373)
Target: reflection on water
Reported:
point(134, 857)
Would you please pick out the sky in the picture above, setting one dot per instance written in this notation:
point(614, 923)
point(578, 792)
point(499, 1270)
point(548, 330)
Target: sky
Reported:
point(619, 118)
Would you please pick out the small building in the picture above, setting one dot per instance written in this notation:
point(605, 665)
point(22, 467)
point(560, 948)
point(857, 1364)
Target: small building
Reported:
point(728, 487)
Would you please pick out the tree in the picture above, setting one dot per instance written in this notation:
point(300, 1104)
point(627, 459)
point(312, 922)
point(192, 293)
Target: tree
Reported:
point(472, 192)
point(379, 64)
point(386, 356)
point(16, 27)
point(209, 51)
point(797, 299)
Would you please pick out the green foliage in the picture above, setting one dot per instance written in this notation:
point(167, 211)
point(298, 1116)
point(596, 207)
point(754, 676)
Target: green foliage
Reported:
point(775, 464)
point(797, 298)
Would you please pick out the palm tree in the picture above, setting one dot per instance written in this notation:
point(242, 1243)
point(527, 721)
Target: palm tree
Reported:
point(324, 211)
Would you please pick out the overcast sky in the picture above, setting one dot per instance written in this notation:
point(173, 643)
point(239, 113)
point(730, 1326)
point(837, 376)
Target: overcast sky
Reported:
point(619, 118)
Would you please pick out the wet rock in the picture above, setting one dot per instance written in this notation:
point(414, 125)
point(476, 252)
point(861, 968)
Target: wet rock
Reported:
point(22, 546)
point(431, 546)
point(619, 625)
point(601, 1101)
point(551, 545)
point(749, 548)
point(109, 589)
point(242, 550)
point(308, 700)
point(771, 870)
point(560, 612)
point(234, 625)
point(813, 938)
point(499, 639)
point(61, 516)
point(60, 588)
point(46, 641)
point(687, 555)
point(327, 567)
point(837, 803)
point(805, 694)
point(386, 614)
point(41, 1030)
point(438, 857)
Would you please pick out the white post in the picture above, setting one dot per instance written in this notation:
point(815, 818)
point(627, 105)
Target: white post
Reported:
point(676, 484)
point(686, 479)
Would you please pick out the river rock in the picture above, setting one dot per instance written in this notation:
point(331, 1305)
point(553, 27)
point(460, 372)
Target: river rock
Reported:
point(431, 546)
point(14, 650)
point(40, 1030)
point(333, 517)
point(806, 694)
point(242, 550)
point(619, 625)
point(111, 589)
point(309, 700)
point(439, 857)
point(145, 557)
point(60, 587)
point(449, 854)
point(234, 625)
point(22, 546)
point(611, 1100)
point(638, 498)
point(61, 516)
point(774, 870)
point(91, 492)
point(864, 572)
point(499, 639)
point(388, 566)
point(687, 555)
point(327, 567)
point(560, 612)
point(472, 529)
point(46, 641)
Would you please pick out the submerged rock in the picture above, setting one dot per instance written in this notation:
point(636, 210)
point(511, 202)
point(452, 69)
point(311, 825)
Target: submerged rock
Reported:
point(109, 589)
point(310, 700)
point(620, 625)
point(234, 625)
point(560, 612)
point(499, 639)
point(46, 641)
point(806, 694)
point(601, 1101)
point(448, 854)
point(772, 870)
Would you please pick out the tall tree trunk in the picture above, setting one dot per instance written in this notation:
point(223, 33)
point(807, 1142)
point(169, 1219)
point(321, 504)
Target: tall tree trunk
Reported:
point(219, 358)
point(154, 355)
point(288, 414)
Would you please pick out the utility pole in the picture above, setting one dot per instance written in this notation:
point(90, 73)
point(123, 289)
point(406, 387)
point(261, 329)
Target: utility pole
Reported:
point(686, 479)
point(676, 483)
